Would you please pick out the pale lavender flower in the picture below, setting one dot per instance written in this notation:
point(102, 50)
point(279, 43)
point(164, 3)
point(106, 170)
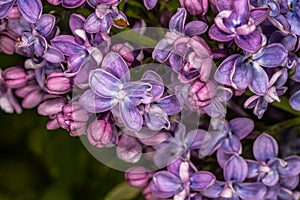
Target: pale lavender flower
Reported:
point(276, 88)
point(235, 173)
point(241, 71)
point(180, 180)
point(269, 168)
point(236, 21)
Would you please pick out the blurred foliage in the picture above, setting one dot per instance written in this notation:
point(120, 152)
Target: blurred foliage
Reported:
point(47, 165)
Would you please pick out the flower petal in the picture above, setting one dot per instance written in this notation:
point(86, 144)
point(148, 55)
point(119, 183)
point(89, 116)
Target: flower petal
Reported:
point(201, 181)
point(259, 83)
point(5, 8)
point(76, 22)
point(236, 169)
point(242, 75)
point(131, 117)
point(214, 191)
point(31, 9)
point(251, 191)
point(150, 4)
point(271, 178)
point(273, 55)
point(104, 83)
point(253, 168)
point(177, 21)
point(265, 148)
point(223, 72)
point(251, 42)
point(162, 51)
point(53, 55)
point(217, 34)
point(96, 104)
point(115, 64)
point(241, 127)
point(195, 28)
point(67, 45)
point(292, 168)
point(45, 24)
point(72, 3)
point(170, 104)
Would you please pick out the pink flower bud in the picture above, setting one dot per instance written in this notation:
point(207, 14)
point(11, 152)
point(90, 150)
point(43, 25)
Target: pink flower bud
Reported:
point(201, 93)
point(100, 133)
point(15, 77)
point(7, 44)
point(52, 106)
point(195, 7)
point(137, 177)
point(57, 83)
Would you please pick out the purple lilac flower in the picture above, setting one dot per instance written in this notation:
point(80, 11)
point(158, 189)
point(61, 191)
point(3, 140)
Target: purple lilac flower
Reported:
point(226, 139)
point(241, 71)
point(180, 145)
point(106, 15)
point(284, 190)
point(189, 57)
point(237, 21)
point(33, 38)
point(293, 16)
point(30, 10)
point(180, 180)
point(276, 88)
point(269, 168)
point(85, 51)
point(235, 173)
point(110, 86)
point(67, 3)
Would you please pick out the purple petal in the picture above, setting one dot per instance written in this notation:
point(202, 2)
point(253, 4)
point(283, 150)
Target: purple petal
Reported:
point(149, 74)
point(5, 8)
point(289, 182)
point(251, 191)
point(241, 8)
point(76, 22)
point(177, 21)
point(242, 75)
point(201, 181)
point(295, 101)
point(72, 3)
point(253, 168)
point(156, 119)
point(176, 62)
point(250, 43)
point(53, 55)
point(273, 55)
point(271, 178)
point(138, 92)
point(265, 148)
point(214, 191)
point(131, 117)
point(31, 9)
point(279, 78)
point(82, 76)
point(93, 24)
point(169, 104)
point(236, 169)
point(292, 168)
point(241, 127)
point(67, 45)
point(96, 104)
point(157, 89)
point(45, 24)
point(232, 145)
point(162, 51)
point(223, 156)
point(115, 64)
point(150, 4)
point(259, 84)
point(259, 15)
point(129, 149)
point(195, 139)
point(104, 83)
point(165, 184)
point(223, 72)
point(195, 28)
point(217, 34)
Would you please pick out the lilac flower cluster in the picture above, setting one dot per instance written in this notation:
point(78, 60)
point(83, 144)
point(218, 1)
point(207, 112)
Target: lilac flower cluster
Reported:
point(85, 83)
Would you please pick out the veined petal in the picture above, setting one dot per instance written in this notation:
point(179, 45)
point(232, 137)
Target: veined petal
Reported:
point(215, 190)
point(273, 55)
point(235, 169)
point(177, 21)
point(242, 75)
point(217, 34)
point(115, 64)
point(150, 4)
point(251, 42)
point(259, 15)
point(131, 117)
point(67, 45)
point(31, 9)
point(45, 24)
point(195, 28)
point(104, 83)
point(295, 101)
point(259, 83)
point(265, 148)
point(76, 22)
point(223, 72)
point(201, 180)
point(271, 178)
point(292, 168)
point(241, 127)
point(5, 8)
point(253, 168)
point(53, 55)
point(251, 191)
point(162, 51)
point(96, 104)
point(72, 3)
point(170, 104)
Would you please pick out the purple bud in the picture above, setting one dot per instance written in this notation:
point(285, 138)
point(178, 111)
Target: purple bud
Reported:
point(52, 124)
point(15, 77)
point(137, 177)
point(201, 93)
point(52, 106)
point(7, 43)
point(57, 83)
point(195, 7)
point(100, 133)
point(73, 118)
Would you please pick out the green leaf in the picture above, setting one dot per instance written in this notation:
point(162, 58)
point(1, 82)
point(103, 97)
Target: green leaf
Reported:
point(284, 105)
point(122, 191)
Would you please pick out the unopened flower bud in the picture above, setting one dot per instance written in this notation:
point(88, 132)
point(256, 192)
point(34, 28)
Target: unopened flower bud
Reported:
point(195, 7)
point(15, 77)
point(137, 177)
point(57, 83)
